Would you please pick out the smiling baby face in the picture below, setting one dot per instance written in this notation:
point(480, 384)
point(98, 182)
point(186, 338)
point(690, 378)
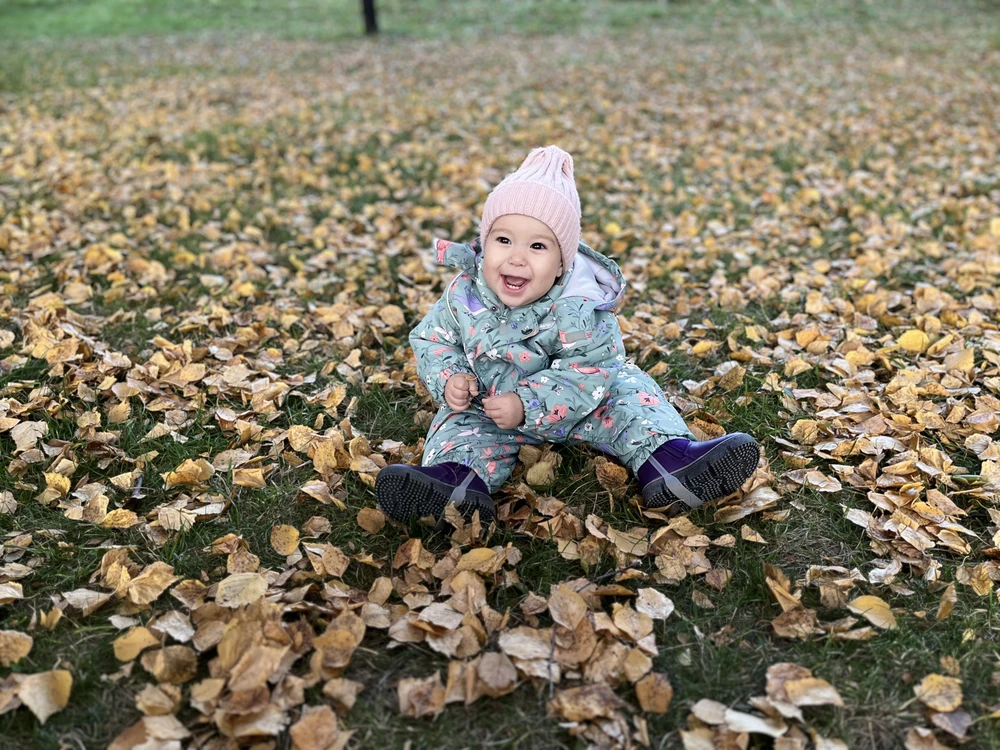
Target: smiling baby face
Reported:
point(521, 259)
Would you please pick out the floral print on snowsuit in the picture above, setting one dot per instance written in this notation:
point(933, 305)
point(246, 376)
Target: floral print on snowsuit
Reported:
point(562, 354)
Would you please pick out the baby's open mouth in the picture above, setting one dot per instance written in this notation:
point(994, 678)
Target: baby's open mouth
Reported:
point(514, 284)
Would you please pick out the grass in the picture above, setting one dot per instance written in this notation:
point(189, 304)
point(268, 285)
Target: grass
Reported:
point(720, 653)
point(46, 43)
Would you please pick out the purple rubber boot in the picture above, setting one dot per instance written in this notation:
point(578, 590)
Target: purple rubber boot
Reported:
point(406, 492)
point(683, 474)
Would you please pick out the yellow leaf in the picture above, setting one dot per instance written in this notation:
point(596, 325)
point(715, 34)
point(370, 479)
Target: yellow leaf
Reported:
point(189, 472)
point(419, 698)
point(240, 589)
point(874, 610)
point(14, 646)
point(284, 539)
point(9, 592)
point(567, 607)
point(481, 560)
point(46, 693)
point(914, 340)
point(392, 316)
point(147, 587)
point(948, 600)
point(939, 692)
point(119, 518)
point(133, 643)
point(654, 693)
point(120, 412)
point(57, 482)
point(371, 520)
point(249, 478)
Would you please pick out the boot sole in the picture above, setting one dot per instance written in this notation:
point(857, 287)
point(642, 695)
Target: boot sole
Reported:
point(717, 474)
point(404, 494)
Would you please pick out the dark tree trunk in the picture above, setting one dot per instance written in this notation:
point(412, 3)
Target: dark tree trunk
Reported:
point(371, 23)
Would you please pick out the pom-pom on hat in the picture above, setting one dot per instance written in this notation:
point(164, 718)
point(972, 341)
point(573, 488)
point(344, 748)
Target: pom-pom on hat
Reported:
point(543, 188)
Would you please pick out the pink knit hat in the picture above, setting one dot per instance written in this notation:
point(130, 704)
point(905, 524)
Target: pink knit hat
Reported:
point(542, 188)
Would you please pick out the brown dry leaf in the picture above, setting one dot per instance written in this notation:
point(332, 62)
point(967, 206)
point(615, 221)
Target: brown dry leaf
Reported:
point(190, 472)
point(147, 587)
point(567, 607)
point(320, 490)
point(751, 536)
point(654, 603)
point(174, 664)
point(955, 723)
point(371, 520)
point(119, 518)
point(949, 598)
point(613, 477)
point(133, 643)
point(874, 610)
point(14, 646)
point(542, 474)
point(85, 600)
point(738, 721)
point(240, 589)
point(392, 316)
point(318, 729)
point(8, 505)
point(796, 623)
point(343, 693)
point(159, 732)
point(481, 560)
point(158, 700)
point(284, 539)
point(419, 698)
point(46, 693)
point(920, 738)
point(253, 478)
point(10, 592)
point(812, 691)
point(654, 693)
point(27, 434)
point(585, 703)
point(939, 692)
point(496, 674)
point(700, 599)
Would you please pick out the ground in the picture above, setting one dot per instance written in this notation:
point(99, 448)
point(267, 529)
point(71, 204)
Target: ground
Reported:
point(214, 229)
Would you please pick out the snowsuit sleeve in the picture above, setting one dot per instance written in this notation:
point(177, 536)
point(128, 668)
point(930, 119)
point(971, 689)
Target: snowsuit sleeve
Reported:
point(437, 344)
point(589, 355)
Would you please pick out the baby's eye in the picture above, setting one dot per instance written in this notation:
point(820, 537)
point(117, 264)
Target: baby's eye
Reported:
point(502, 240)
point(538, 246)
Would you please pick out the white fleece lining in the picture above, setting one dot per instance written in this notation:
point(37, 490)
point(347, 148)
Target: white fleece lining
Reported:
point(591, 280)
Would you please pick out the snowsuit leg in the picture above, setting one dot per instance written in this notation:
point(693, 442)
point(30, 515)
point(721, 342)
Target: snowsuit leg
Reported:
point(633, 421)
point(472, 439)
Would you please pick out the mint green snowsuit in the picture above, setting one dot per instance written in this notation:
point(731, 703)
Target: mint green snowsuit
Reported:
point(562, 354)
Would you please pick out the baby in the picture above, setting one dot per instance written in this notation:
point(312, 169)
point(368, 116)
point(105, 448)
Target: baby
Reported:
point(524, 348)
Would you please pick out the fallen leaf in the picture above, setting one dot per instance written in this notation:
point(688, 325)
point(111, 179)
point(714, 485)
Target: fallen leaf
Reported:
point(240, 589)
point(46, 693)
point(284, 539)
point(654, 693)
point(14, 646)
point(419, 698)
point(939, 692)
point(874, 610)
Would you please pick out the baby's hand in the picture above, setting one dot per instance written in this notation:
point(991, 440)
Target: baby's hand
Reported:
point(459, 390)
point(506, 410)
